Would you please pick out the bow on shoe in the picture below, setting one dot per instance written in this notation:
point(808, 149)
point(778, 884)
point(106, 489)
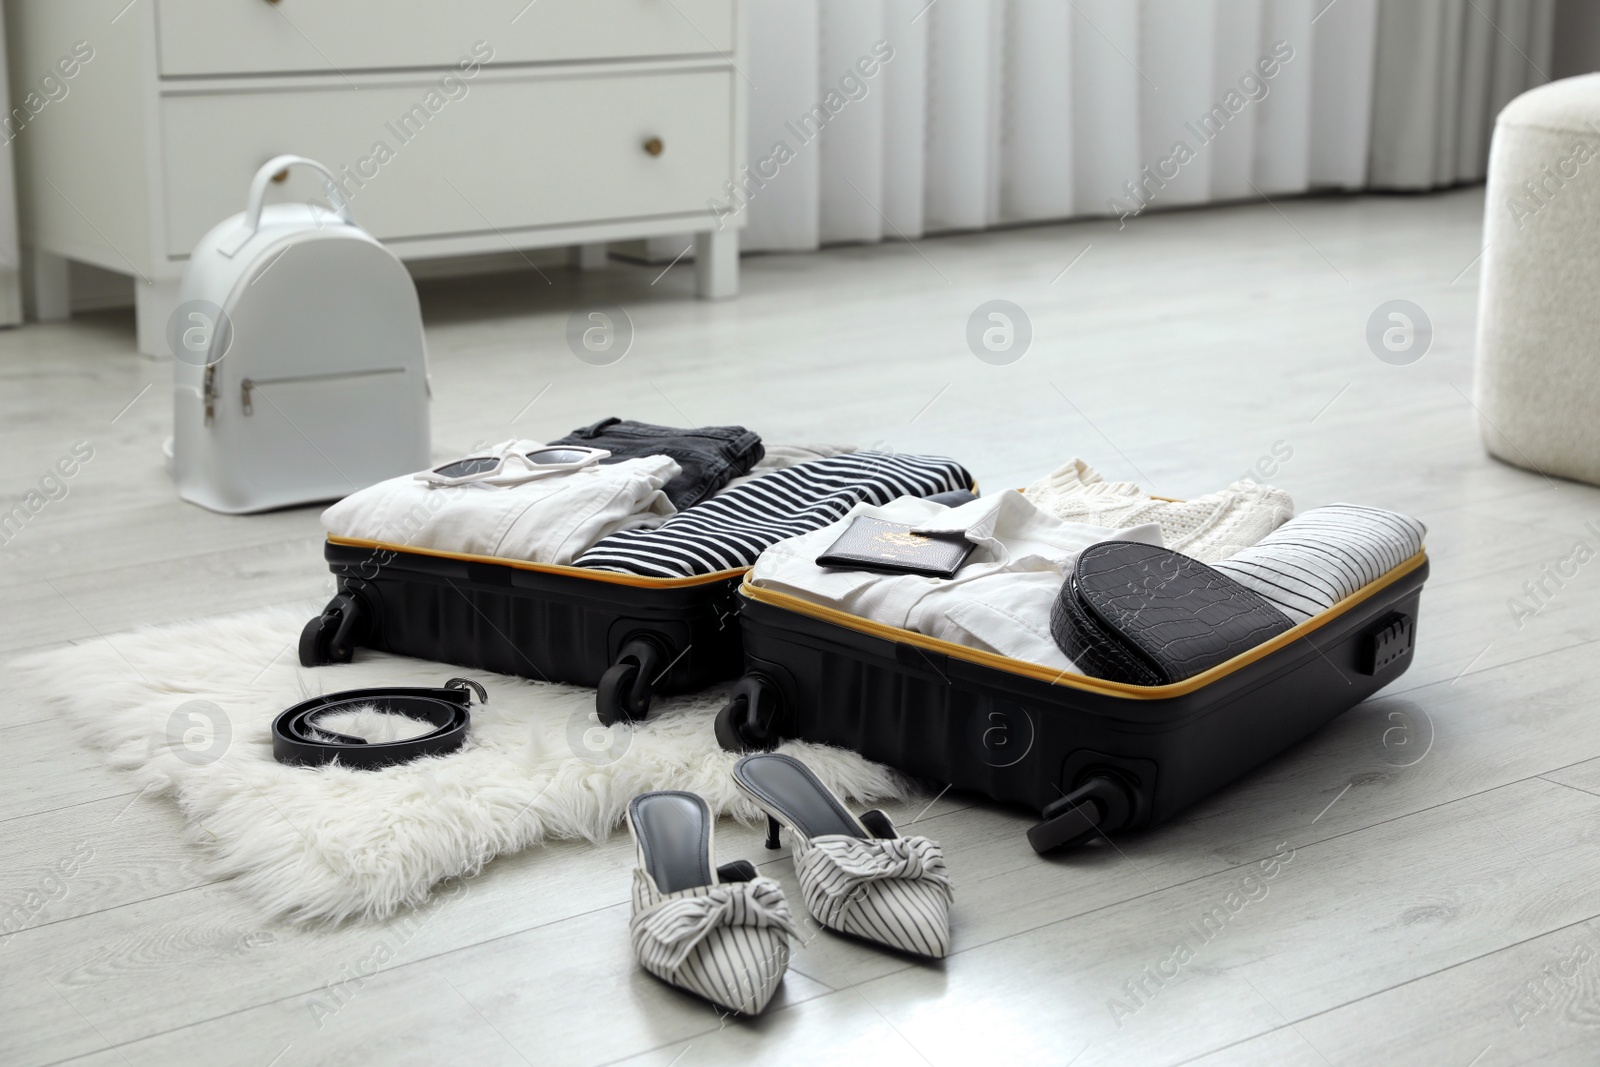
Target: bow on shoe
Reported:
point(679, 924)
point(857, 860)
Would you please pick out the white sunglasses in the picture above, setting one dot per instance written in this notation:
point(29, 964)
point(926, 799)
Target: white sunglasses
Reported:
point(512, 467)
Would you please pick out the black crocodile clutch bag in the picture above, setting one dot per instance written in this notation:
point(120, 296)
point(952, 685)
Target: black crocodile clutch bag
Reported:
point(1135, 613)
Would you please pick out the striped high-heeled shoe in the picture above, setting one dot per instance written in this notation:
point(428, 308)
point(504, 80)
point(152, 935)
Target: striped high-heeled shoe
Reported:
point(721, 933)
point(858, 876)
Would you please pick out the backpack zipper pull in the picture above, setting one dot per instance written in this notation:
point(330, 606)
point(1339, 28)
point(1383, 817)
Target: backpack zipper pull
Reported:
point(209, 390)
point(244, 388)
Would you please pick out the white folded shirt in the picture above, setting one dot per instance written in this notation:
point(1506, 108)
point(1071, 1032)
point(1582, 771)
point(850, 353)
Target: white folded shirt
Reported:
point(999, 601)
point(547, 520)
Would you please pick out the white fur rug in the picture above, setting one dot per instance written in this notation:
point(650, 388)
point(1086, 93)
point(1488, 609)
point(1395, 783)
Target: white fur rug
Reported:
point(188, 710)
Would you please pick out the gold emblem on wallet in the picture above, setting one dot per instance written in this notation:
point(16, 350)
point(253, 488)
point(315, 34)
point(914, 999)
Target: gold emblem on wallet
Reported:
point(902, 538)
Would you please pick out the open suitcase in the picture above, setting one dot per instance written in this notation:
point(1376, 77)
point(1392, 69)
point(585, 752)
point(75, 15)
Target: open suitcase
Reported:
point(1093, 756)
point(629, 636)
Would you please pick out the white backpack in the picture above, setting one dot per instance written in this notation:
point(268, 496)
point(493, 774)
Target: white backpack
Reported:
point(301, 370)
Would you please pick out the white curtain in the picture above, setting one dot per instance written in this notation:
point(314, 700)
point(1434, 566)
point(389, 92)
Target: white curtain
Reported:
point(904, 117)
point(1444, 70)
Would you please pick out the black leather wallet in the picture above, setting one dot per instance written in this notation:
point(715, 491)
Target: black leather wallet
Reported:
point(1135, 613)
point(870, 544)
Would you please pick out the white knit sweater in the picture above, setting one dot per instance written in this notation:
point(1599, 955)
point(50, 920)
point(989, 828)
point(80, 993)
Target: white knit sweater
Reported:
point(1208, 528)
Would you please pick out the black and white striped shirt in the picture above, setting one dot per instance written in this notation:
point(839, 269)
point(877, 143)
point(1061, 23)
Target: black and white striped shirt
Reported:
point(1312, 562)
point(731, 529)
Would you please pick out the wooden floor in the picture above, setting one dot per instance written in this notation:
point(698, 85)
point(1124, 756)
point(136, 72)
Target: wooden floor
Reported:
point(1439, 902)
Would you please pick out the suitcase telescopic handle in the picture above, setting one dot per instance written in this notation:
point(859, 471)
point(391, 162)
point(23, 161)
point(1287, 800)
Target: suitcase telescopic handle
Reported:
point(263, 178)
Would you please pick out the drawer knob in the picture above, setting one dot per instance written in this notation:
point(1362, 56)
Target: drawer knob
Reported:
point(654, 146)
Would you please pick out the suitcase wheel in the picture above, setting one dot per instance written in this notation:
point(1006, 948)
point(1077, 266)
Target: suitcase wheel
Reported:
point(624, 691)
point(1100, 805)
point(746, 722)
point(332, 637)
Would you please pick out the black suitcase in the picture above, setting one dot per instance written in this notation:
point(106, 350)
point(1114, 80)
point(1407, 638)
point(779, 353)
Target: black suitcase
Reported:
point(1093, 756)
point(629, 636)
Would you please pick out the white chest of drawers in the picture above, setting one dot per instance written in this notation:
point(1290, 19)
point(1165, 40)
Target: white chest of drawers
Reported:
point(457, 128)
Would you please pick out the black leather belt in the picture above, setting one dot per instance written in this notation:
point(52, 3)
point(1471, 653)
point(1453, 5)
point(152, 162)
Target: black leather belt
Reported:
point(298, 740)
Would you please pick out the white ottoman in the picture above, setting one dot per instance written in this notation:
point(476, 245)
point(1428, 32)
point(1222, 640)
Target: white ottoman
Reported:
point(1538, 364)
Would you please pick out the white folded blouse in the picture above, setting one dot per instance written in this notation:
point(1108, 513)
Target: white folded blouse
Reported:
point(999, 601)
point(548, 520)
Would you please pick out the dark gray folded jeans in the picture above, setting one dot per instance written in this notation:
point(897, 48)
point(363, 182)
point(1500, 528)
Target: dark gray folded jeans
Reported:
point(711, 456)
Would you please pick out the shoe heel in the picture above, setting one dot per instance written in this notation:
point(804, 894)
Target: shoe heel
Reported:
point(772, 834)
